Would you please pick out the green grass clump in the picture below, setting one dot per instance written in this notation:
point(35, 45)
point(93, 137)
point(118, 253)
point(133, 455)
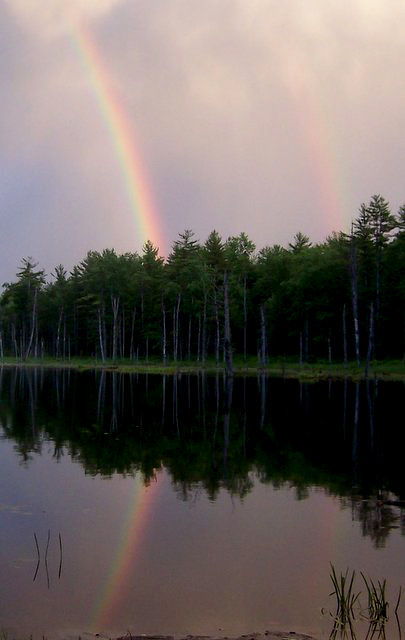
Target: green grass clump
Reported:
point(348, 606)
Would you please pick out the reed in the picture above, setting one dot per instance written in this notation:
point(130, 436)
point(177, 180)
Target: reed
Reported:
point(345, 596)
point(348, 604)
point(38, 558)
point(377, 609)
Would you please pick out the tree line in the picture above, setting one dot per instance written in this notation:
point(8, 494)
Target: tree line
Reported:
point(339, 300)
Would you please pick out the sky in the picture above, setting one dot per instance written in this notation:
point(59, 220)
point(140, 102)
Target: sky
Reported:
point(128, 120)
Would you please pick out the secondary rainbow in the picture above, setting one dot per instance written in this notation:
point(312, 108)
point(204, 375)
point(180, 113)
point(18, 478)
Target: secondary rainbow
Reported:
point(315, 124)
point(122, 136)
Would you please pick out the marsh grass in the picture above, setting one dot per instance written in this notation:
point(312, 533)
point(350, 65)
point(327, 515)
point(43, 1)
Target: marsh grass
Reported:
point(349, 607)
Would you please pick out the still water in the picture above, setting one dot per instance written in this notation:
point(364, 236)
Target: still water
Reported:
point(177, 505)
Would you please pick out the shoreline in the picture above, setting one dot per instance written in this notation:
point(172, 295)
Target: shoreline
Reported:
point(267, 635)
point(384, 370)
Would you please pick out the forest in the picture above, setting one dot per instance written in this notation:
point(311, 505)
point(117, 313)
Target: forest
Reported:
point(337, 301)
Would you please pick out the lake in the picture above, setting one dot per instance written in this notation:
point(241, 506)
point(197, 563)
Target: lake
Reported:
point(190, 504)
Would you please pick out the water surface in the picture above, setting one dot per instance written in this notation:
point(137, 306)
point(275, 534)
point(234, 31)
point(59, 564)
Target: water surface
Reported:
point(186, 506)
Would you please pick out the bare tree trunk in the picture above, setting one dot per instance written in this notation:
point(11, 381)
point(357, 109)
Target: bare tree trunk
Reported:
point(123, 333)
point(403, 356)
point(370, 340)
point(36, 351)
point(217, 331)
point(33, 325)
point(75, 330)
point(57, 347)
point(64, 337)
point(100, 335)
point(306, 338)
point(164, 339)
point(344, 337)
point(176, 312)
point(142, 317)
point(263, 336)
point(115, 304)
point(204, 330)
point(1, 345)
point(131, 347)
point(199, 350)
point(353, 270)
point(329, 347)
point(301, 359)
point(244, 317)
point(189, 338)
point(14, 339)
point(377, 284)
point(227, 330)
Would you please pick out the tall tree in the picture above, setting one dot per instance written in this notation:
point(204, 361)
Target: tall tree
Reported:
point(239, 251)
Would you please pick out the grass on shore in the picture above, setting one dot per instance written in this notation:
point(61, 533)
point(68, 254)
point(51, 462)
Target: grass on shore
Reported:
point(288, 368)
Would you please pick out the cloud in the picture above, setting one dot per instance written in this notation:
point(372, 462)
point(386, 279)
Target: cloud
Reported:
point(50, 18)
point(243, 110)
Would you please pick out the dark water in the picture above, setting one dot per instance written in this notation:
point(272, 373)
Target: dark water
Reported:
point(189, 505)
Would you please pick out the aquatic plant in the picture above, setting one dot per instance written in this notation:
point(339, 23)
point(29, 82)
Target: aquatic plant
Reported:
point(348, 605)
point(345, 601)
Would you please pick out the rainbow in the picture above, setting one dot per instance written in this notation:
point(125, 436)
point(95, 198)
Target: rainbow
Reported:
point(122, 136)
point(122, 566)
point(317, 131)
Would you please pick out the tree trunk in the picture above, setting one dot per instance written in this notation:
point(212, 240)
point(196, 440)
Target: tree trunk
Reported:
point(204, 330)
point(227, 330)
point(344, 337)
point(306, 338)
point(131, 347)
point(33, 325)
point(164, 341)
point(353, 273)
point(329, 347)
point(217, 330)
point(142, 318)
point(244, 317)
point(370, 340)
point(301, 360)
point(64, 337)
point(123, 333)
point(189, 338)
point(115, 304)
point(100, 335)
point(199, 338)
point(14, 339)
point(57, 347)
point(263, 336)
point(176, 313)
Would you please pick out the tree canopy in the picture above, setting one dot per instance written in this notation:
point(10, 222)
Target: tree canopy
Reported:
point(342, 298)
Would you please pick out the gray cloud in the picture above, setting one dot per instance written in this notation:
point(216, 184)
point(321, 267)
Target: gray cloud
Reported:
point(262, 116)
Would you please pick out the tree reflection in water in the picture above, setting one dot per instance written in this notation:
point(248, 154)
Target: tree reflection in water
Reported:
point(212, 433)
